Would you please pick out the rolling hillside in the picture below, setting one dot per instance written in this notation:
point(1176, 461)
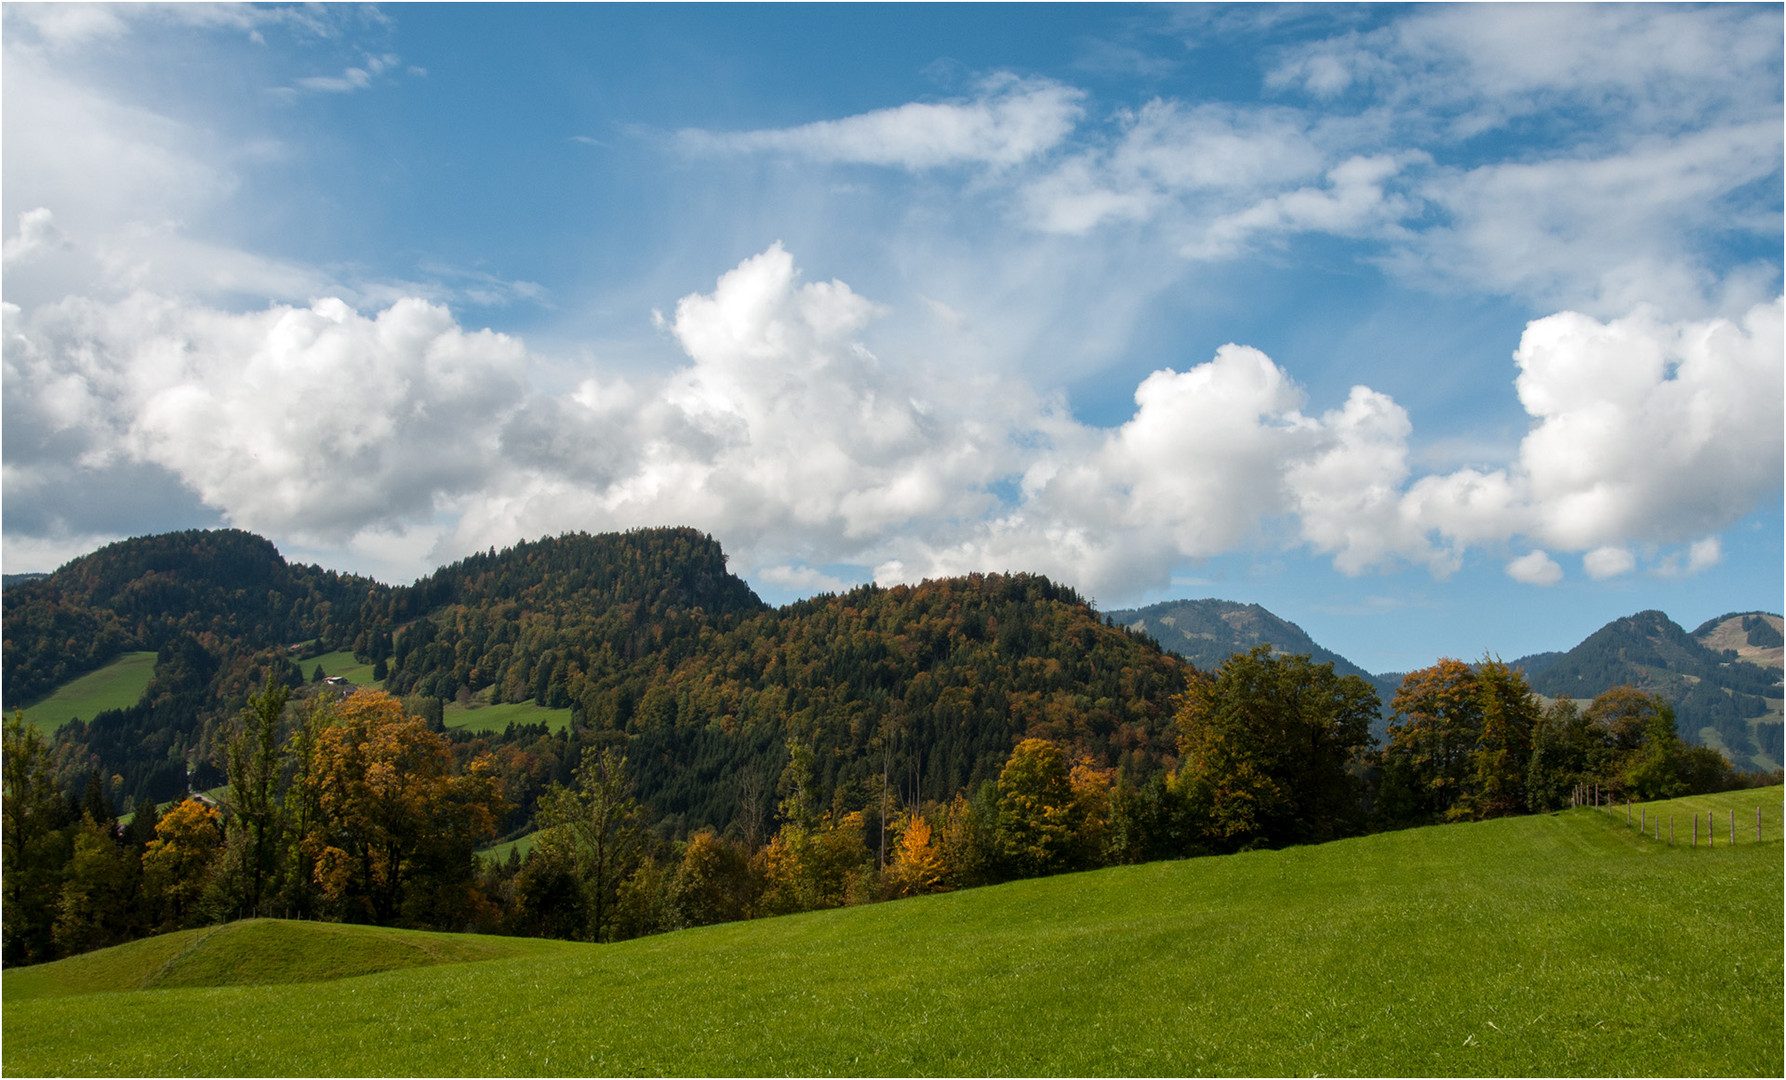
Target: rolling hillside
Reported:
point(1561, 944)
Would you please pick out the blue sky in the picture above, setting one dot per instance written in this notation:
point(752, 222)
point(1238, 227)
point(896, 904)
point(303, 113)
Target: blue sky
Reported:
point(1437, 330)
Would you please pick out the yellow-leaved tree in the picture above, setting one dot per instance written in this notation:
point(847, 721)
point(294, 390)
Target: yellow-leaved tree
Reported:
point(394, 827)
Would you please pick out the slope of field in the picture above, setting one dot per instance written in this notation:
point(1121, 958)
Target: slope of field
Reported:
point(117, 685)
point(343, 664)
point(260, 952)
point(1551, 945)
point(482, 717)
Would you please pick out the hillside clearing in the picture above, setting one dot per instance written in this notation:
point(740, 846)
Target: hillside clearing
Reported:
point(1557, 944)
point(117, 685)
point(477, 717)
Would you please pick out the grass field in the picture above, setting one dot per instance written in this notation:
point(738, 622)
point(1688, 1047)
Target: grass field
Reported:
point(118, 685)
point(342, 664)
point(260, 952)
point(1551, 945)
point(477, 717)
point(500, 852)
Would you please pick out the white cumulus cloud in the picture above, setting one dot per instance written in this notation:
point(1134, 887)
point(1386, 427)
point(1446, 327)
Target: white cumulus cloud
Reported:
point(1535, 568)
point(1607, 562)
point(786, 436)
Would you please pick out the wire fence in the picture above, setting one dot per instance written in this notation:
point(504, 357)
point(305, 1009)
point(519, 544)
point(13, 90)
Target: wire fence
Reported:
point(1679, 828)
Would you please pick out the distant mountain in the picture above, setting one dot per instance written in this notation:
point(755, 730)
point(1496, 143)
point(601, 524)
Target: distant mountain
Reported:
point(1754, 636)
point(1207, 632)
point(1721, 696)
point(7, 581)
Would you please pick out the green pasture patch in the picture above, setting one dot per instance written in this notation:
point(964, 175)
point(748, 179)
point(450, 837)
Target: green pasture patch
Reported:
point(257, 952)
point(1726, 807)
point(342, 664)
point(118, 685)
point(500, 852)
point(478, 717)
point(1547, 945)
point(123, 967)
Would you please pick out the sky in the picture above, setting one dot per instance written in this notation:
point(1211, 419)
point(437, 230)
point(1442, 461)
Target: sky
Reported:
point(1439, 331)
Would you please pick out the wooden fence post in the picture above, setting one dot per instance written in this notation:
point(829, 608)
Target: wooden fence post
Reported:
point(1696, 830)
point(1671, 830)
point(1758, 824)
point(1711, 830)
point(1733, 826)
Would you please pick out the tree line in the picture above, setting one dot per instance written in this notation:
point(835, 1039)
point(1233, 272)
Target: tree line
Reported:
point(354, 808)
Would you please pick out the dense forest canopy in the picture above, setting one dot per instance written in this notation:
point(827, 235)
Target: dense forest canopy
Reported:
point(723, 759)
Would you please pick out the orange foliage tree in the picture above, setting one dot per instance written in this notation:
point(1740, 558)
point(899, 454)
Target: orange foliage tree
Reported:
point(395, 828)
point(918, 865)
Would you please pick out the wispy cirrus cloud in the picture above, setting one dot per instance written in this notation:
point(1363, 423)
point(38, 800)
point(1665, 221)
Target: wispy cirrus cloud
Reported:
point(1010, 121)
point(357, 77)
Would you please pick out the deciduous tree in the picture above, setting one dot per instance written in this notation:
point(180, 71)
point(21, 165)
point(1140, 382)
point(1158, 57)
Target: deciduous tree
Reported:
point(597, 822)
point(1269, 746)
point(394, 825)
point(253, 800)
point(177, 864)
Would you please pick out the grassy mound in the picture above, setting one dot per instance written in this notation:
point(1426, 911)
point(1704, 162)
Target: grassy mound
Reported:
point(259, 952)
point(118, 685)
point(1551, 945)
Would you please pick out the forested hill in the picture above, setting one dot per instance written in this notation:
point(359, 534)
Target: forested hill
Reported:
point(1207, 632)
point(644, 636)
point(1720, 698)
point(222, 609)
point(558, 619)
point(928, 685)
point(229, 588)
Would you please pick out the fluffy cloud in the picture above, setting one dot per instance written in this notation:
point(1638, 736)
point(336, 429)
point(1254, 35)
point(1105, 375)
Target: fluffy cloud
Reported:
point(1649, 430)
point(783, 433)
point(315, 423)
point(1606, 562)
point(798, 446)
point(1011, 121)
point(1535, 568)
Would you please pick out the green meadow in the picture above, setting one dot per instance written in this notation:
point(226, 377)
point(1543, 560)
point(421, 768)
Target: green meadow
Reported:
point(1559, 944)
point(500, 852)
point(118, 685)
point(342, 664)
point(475, 715)
point(480, 717)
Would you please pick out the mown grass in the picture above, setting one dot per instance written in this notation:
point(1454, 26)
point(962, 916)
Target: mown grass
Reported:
point(479, 717)
point(1550, 945)
point(259, 952)
point(342, 664)
point(1653, 819)
point(118, 685)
